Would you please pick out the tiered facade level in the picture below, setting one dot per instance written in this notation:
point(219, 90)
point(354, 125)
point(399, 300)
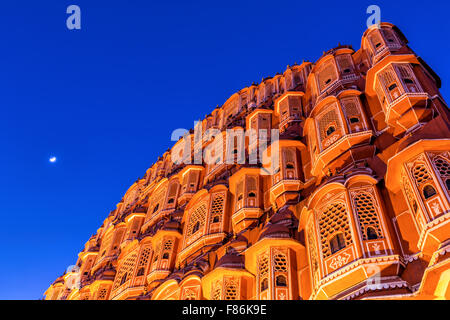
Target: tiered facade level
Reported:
point(359, 207)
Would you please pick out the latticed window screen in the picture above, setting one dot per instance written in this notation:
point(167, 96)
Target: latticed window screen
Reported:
point(217, 291)
point(231, 291)
point(295, 103)
point(280, 262)
point(390, 36)
point(84, 296)
point(313, 249)
point(217, 207)
point(327, 75)
point(172, 193)
point(407, 75)
point(240, 188)
point(135, 225)
point(390, 82)
point(405, 71)
point(289, 156)
point(443, 167)
point(263, 266)
point(387, 77)
point(168, 245)
point(251, 184)
point(156, 254)
point(333, 220)
point(331, 117)
point(198, 215)
point(351, 110)
point(102, 294)
point(288, 80)
point(143, 260)
point(263, 272)
point(284, 109)
point(118, 234)
point(125, 269)
point(156, 200)
point(409, 195)
point(189, 295)
point(421, 174)
point(345, 63)
point(367, 215)
point(106, 242)
point(380, 93)
point(376, 40)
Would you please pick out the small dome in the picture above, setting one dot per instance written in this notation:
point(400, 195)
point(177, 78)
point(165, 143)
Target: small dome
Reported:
point(171, 225)
point(231, 260)
point(274, 231)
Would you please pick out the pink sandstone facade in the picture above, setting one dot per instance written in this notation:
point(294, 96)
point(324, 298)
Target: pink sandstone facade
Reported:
point(358, 207)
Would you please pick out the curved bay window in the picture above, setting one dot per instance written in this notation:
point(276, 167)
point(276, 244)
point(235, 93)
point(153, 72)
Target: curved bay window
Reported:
point(395, 80)
point(382, 41)
point(428, 181)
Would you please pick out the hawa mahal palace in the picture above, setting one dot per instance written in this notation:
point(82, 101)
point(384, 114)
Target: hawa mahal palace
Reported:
point(357, 208)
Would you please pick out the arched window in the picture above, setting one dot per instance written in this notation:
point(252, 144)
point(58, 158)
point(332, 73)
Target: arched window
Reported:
point(140, 272)
point(124, 279)
point(392, 86)
point(354, 120)
point(330, 130)
point(290, 166)
point(264, 284)
point(428, 191)
point(252, 195)
point(165, 255)
point(156, 208)
point(337, 243)
point(196, 227)
point(371, 233)
point(281, 281)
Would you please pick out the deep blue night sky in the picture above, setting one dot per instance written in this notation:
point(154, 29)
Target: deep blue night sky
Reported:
point(105, 99)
